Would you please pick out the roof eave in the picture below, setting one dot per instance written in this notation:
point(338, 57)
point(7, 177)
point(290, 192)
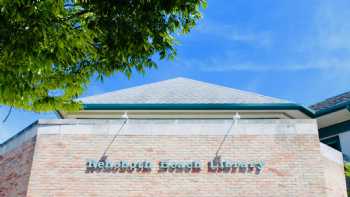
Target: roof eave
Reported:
point(204, 106)
point(335, 108)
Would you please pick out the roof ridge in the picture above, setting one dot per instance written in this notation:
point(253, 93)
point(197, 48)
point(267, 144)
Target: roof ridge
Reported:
point(181, 90)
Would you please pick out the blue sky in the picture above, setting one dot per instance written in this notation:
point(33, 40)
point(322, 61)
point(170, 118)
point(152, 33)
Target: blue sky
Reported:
point(292, 49)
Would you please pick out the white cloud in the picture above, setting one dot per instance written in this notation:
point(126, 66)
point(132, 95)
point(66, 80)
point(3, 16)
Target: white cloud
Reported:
point(235, 34)
point(326, 47)
point(331, 24)
point(232, 62)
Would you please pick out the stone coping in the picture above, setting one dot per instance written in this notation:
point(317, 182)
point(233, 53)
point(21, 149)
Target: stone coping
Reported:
point(331, 154)
point(161, 127)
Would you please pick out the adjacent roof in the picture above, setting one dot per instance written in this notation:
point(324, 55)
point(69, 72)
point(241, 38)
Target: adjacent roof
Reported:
point(180, 91)
point(332, 104)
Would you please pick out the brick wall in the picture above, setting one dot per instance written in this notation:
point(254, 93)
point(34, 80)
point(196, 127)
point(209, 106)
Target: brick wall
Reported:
point(292, 166)
point(15, 170)
point(290, 149)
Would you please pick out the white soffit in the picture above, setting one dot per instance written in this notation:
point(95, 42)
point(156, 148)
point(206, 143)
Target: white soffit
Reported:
point(333, 118)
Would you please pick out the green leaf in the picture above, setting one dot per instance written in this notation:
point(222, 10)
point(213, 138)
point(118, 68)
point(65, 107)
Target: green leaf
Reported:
point(47, 47)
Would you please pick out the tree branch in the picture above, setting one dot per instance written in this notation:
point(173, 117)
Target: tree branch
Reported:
point(82, 12)
point(8, 115)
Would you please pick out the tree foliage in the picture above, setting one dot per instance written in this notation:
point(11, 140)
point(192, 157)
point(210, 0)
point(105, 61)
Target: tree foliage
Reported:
point(50, 49)
point(347, 174)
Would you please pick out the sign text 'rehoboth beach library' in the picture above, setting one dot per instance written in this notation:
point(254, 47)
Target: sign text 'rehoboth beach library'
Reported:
point(175, 166)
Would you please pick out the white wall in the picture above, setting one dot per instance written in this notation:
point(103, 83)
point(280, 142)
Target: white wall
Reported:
point(334, 171)
point(345, 143)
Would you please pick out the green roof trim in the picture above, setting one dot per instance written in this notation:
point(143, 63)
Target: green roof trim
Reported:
point(209, 106)
point(337, 107)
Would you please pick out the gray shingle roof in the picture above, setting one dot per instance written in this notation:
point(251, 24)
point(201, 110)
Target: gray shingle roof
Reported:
point(179, 91)
point(330, 102)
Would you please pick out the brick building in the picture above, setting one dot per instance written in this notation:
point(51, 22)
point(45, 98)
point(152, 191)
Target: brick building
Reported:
point(174, 138)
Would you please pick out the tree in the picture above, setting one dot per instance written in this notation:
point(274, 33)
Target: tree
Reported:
point(50, 49)
point(347, 174)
